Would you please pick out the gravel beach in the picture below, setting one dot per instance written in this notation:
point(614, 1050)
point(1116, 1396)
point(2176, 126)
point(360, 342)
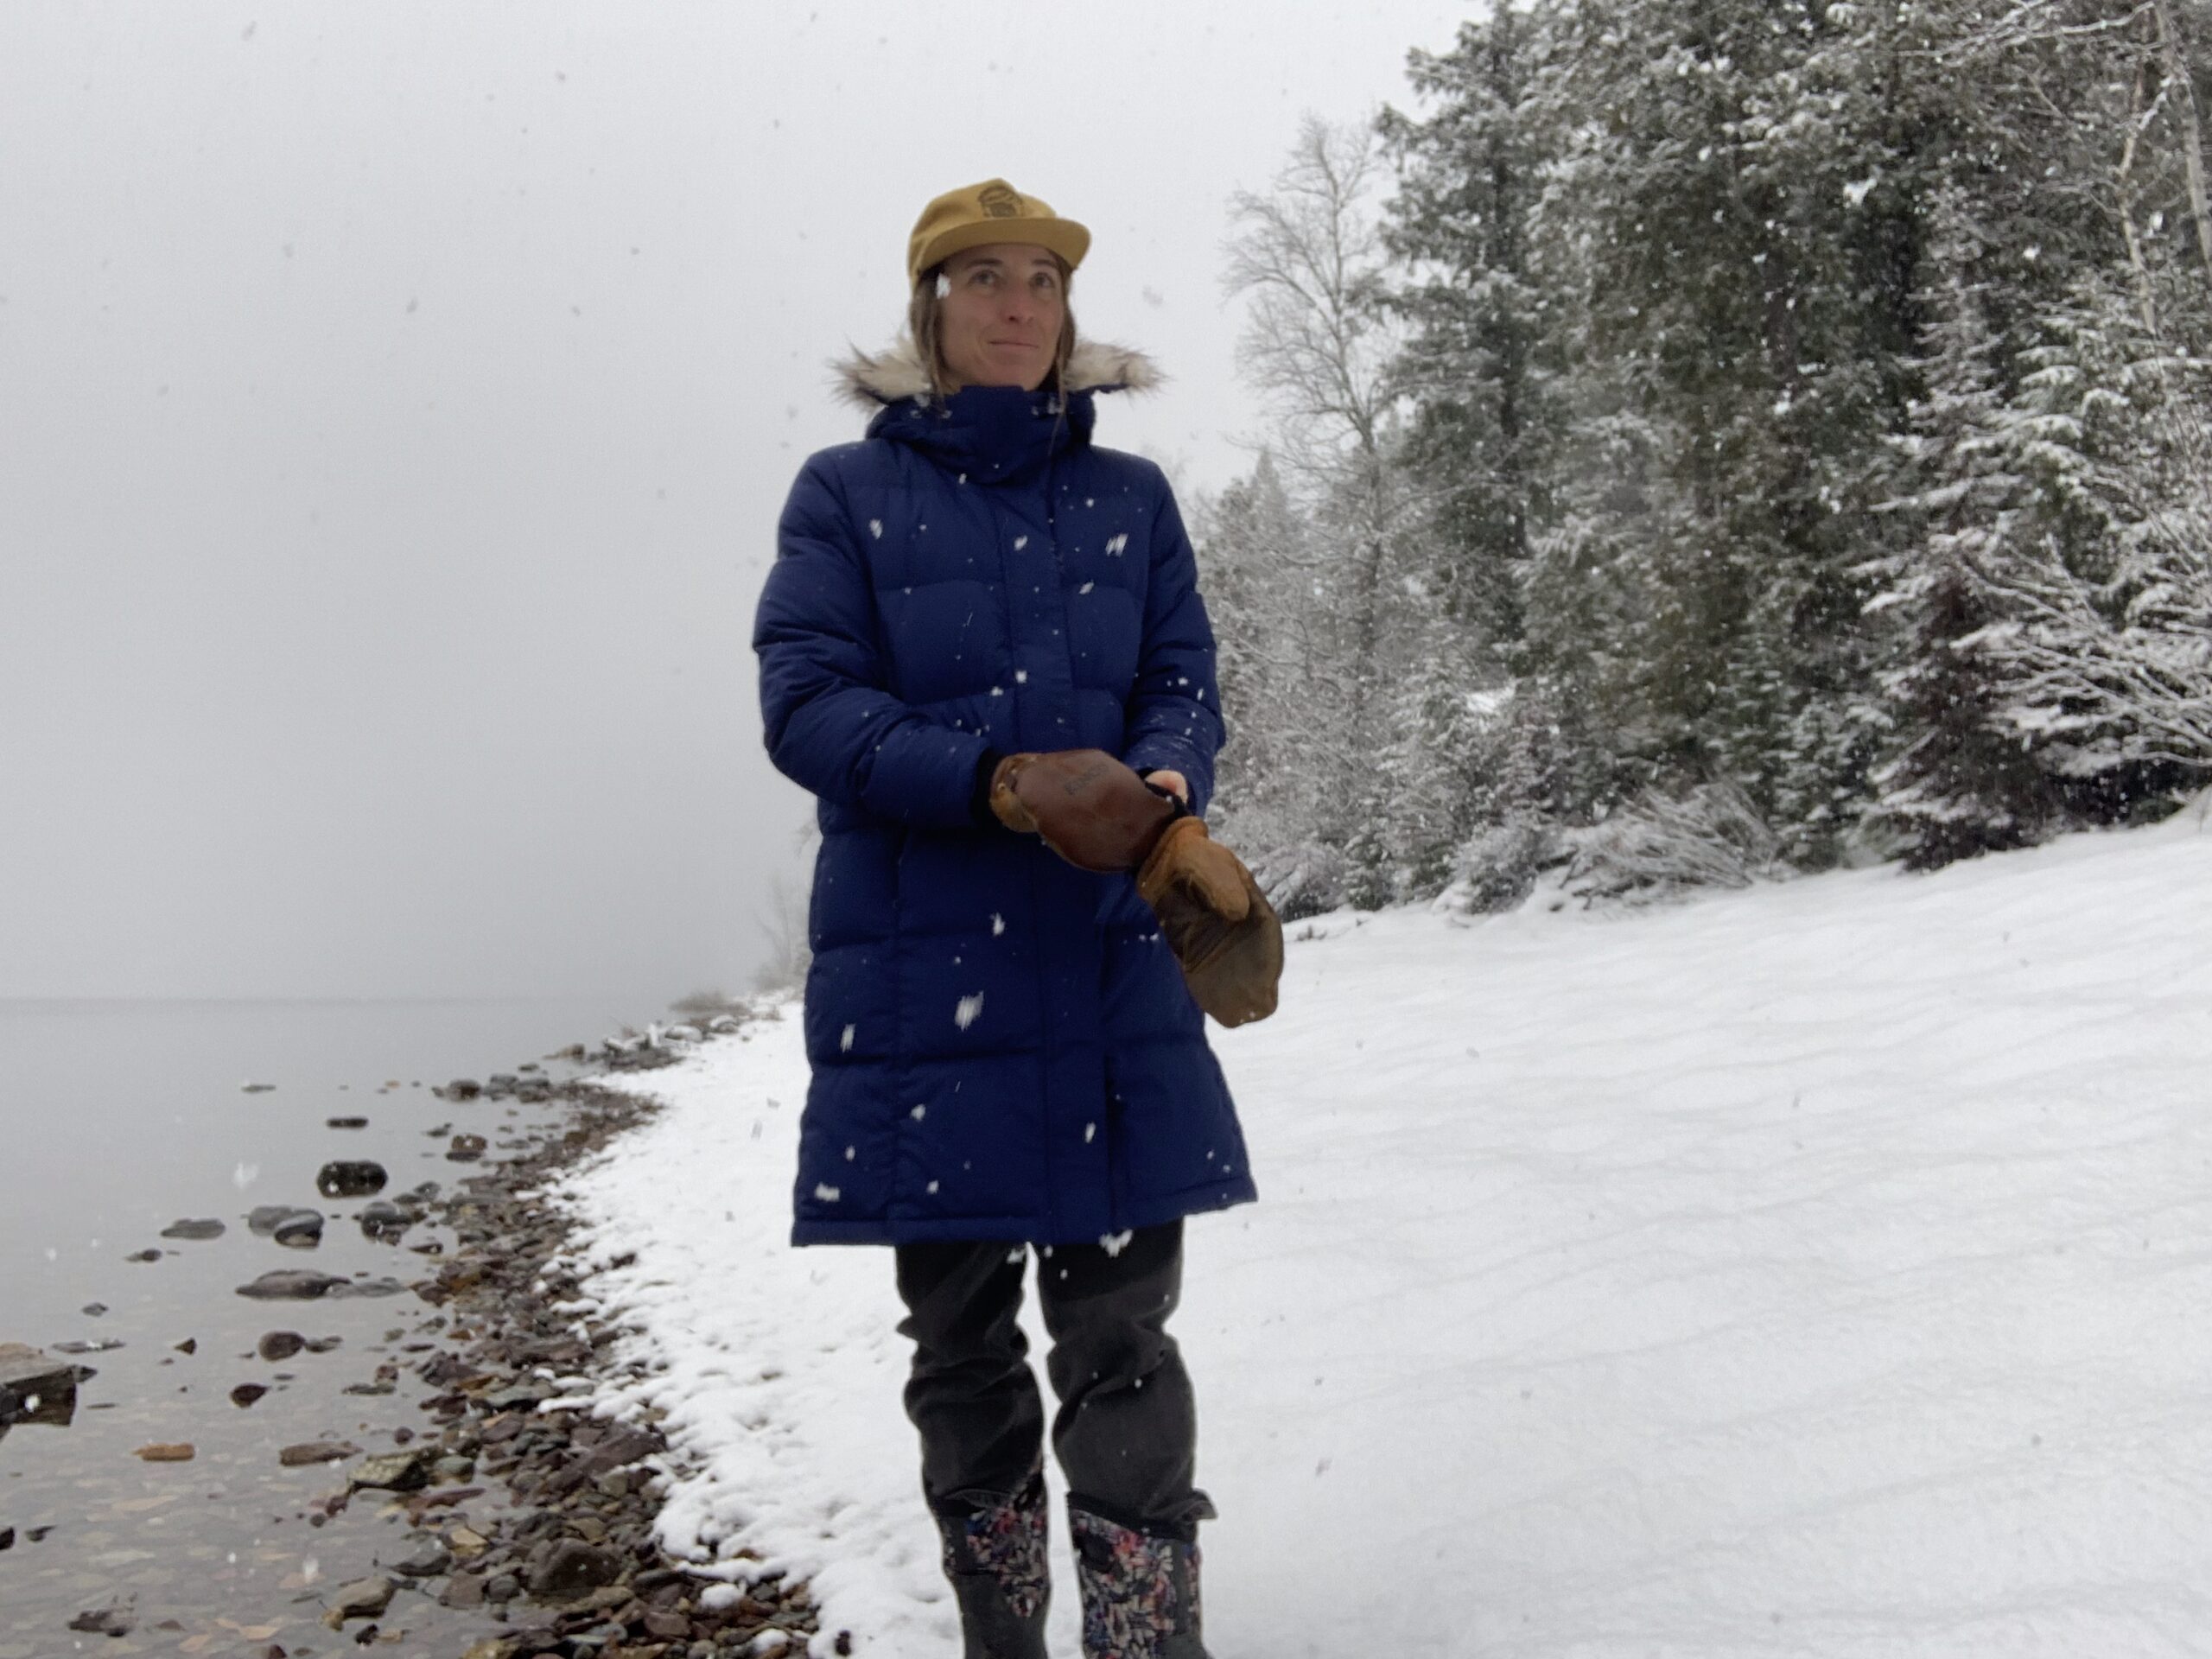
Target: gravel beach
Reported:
point(457, 1497)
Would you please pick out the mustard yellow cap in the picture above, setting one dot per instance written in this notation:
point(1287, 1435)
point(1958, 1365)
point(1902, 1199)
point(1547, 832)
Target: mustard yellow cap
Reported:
point(993, 210)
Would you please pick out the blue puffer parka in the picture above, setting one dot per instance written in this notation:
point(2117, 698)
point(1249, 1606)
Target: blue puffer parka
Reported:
point(1002, 1045)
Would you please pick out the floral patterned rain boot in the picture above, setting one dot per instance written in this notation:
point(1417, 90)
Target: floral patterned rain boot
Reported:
point(1139, 1593)
point(994, 1556)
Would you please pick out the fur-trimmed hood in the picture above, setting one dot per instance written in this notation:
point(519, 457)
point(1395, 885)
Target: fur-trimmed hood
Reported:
point(895, 374)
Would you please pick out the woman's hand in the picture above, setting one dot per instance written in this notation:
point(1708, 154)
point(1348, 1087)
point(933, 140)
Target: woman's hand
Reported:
point(1090, 807)
point(1173, 782)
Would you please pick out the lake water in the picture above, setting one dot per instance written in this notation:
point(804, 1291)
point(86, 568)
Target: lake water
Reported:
point(118, 1119)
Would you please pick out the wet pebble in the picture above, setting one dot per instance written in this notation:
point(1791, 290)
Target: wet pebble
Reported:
point(383, 1220)
point(311, 1451)
point(105, 1621)
point(290, 1284)
point(205, 1228)
point(376, 1285)
point(279, 1344)
point(397, 1471)
point(246, 1392)
point(143, 1256)
point(166, 1452)
point(350, 1178)
point(346, 1122)
point(363, 1599)
point(429, 1562)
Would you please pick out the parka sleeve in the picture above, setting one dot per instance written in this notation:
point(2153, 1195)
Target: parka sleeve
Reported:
point(830, 723)
point(1174, 707)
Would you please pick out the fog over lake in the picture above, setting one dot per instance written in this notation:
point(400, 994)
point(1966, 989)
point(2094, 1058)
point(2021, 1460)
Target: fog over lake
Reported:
point(395, 402)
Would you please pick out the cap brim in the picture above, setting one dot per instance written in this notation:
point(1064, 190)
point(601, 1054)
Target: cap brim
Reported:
point(1061, 236)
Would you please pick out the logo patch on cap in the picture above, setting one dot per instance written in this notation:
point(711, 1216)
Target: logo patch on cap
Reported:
point(1000, 202)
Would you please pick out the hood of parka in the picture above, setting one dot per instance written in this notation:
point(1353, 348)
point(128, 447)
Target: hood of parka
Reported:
point(995, 435)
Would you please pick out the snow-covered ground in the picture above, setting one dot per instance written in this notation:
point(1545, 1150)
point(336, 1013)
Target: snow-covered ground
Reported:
point(1819, 1270)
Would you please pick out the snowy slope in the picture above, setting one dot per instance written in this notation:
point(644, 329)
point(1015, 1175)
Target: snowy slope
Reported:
point(1821, 1270)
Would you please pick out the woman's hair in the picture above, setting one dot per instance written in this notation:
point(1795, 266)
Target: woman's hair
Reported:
point(922, 324)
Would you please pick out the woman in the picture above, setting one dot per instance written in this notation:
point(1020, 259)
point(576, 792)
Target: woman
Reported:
point(979, 631)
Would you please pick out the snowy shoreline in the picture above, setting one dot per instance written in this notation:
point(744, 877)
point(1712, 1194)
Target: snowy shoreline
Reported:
point(1819, 1269)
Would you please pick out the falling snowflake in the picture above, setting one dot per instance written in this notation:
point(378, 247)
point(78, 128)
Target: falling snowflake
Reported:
point(826, 1192)
point(1021, 542)
point(998, 924)
point(845, 1040)
point(963, 1015)
point(1115, 544)
point(875, 525)
point(1115, 1243)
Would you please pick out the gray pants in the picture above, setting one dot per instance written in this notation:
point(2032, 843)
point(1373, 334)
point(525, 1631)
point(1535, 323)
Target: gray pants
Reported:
point(1127, 1430)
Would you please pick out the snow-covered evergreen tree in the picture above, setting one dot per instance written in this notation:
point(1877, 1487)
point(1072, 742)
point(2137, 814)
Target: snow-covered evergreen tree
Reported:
point(1798, 421)
point(1962, 779)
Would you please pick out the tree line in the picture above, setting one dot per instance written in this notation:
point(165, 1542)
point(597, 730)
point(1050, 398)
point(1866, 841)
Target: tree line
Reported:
point(1710, 439)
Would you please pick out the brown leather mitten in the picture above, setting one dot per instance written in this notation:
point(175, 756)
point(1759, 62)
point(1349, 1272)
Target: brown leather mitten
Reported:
point(1090, 807)
point(1218, 923)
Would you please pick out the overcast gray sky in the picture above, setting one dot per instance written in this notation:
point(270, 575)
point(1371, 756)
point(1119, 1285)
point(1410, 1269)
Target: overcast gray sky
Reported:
point(395, 404)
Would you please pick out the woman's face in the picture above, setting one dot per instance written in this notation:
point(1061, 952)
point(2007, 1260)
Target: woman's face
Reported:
point(999, 323)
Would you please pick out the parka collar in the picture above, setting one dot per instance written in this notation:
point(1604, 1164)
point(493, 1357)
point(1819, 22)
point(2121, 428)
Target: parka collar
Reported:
point(991, 434)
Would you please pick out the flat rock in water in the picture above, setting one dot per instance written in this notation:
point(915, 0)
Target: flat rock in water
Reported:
point(466, 1148)
point(35, 1388)
point(103, 1621)
point(350, 1178)
point(384, 1219)
point(363, 1599)
point(208, 1228)
point(301, 1231)
point(279, 1344)
point(166, 1452)
point(143, 1256)
point(96, 1345)
point(394, 1471)
point(246, 1392)
point(346, 1122)
point(378, 1286)
point(426, 1563)
point(291, 1284)
point(298, 1457)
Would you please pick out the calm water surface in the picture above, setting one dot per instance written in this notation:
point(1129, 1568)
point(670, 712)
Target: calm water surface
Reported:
point(118, 1119)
